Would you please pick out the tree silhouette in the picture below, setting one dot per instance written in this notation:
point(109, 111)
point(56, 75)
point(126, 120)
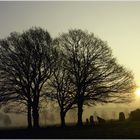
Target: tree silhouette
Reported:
point(26, 63)
point(61, 88)
point(94, 73)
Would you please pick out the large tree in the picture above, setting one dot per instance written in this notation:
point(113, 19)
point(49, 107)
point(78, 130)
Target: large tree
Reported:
point(94, 72)
point(26, 63)
point(12, 84)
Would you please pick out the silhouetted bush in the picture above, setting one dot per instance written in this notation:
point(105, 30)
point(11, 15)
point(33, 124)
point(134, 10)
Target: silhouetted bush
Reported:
point(135, 115)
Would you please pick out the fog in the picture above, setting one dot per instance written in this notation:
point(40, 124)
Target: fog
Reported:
point(5, 120)
point(50, 114)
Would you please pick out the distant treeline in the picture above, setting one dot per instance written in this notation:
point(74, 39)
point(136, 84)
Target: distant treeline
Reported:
point(75, 69)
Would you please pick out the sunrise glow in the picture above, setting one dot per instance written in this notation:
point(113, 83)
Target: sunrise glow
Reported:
point(137, 92)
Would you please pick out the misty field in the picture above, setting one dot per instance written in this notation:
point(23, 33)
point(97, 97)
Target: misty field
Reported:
point(126, 129)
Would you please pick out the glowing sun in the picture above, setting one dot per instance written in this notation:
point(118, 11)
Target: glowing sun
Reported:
point(137, 92)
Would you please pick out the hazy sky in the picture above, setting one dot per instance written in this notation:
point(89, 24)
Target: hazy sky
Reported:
point(118, 23)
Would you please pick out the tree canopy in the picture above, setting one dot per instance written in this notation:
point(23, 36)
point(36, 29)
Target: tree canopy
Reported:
point(26, 63)
point(94, 72)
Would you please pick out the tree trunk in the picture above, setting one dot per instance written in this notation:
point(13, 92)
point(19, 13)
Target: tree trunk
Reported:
point(29, 116)
point(62, 115)
point(36, 108)
point(35, 117)
point(80, 113)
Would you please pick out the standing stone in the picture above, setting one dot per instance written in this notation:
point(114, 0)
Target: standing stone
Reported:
point(87, 121)
point(100, 120)
point(91, 120)
point(121, 116)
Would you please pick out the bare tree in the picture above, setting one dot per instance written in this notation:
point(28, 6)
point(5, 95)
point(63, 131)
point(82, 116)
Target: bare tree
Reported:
point(12, 84)
point(60, 89)
point(26, 63)
point(94, 73)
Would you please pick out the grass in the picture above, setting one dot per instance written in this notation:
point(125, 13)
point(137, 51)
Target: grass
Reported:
point(116, 129)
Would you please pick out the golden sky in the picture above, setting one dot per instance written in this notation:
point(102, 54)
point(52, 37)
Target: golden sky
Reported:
point(118, 23)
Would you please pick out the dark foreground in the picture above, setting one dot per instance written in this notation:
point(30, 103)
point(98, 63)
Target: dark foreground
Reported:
point(108, 130)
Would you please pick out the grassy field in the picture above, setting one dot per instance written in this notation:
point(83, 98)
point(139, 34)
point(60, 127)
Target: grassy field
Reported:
point(108, 130)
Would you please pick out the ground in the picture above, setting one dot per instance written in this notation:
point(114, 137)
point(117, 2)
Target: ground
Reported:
point(116, 129)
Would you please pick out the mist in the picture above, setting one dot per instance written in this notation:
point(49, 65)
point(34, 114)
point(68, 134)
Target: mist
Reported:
point(51, 116)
